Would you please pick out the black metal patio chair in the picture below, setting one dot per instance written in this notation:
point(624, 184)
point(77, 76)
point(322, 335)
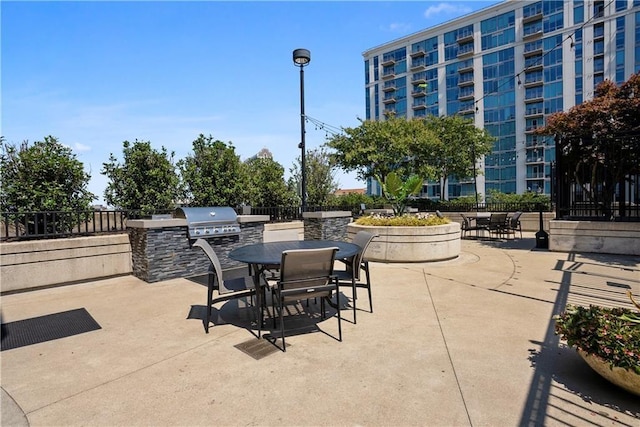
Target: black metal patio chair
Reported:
point(355, 265)
point(304, 274)
point(244, 285)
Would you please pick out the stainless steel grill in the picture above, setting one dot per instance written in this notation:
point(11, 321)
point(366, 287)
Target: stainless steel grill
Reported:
point(210, 221)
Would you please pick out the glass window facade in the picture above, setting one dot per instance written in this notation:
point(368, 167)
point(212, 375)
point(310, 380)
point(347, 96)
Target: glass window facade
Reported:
point(498, 69)
point(498, 31)
point(578, 12)
point(577, 47)
point(453, 91)
point(637, 50)
point(451, 38)
point(620, 77)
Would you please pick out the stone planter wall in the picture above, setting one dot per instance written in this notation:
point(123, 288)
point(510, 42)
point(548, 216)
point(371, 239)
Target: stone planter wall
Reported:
point(326, 225)
point(411, 244)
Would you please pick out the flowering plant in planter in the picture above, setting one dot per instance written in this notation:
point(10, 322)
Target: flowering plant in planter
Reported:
point(612, 334)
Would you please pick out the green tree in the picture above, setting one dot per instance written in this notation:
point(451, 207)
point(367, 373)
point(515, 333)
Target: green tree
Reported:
point(267, 186)
point(351, 200)
point(458, 146)
point(598, 142)
point(379, 147)
point(45, 176)
point(321, 176)
point(146, 180)
point(213, 175)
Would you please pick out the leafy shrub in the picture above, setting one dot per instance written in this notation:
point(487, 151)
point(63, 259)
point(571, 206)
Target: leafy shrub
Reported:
point(612, 334)
point(403, 220)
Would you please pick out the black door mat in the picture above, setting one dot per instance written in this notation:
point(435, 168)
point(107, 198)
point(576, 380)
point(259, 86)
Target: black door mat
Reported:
point(47, 328)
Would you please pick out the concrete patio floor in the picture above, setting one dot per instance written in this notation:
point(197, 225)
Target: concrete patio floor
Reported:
point(462, 342)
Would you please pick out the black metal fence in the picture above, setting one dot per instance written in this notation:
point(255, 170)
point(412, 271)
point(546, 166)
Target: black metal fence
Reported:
point(588, 199)
point(55, 224)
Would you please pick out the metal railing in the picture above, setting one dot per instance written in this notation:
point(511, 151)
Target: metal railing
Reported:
point(56, 224)
point(17, 226)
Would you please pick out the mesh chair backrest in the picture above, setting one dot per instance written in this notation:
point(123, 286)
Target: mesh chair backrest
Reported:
point(498, 218)
point(515, 219)
point(208, 250)
point(301, 268)
point(362, 239)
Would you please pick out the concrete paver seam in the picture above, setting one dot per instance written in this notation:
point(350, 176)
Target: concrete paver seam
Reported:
point(513, 271)
point(444, 340)
point(504, 282)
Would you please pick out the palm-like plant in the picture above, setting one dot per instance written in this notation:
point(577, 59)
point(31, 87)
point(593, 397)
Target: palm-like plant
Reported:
point(397, 192)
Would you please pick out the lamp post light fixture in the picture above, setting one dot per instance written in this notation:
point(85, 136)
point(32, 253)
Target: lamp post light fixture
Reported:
point(302, 57)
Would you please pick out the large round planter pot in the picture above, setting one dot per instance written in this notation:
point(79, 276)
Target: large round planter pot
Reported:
point(621, 377)
point(411, 244)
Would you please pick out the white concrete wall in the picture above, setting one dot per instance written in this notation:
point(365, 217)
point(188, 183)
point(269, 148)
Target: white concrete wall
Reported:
point(281, 231)
point(33, 264)
point(621, 238)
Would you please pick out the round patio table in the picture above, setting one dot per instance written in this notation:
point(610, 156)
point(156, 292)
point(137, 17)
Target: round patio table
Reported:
point(262, 255)
point(271, 253)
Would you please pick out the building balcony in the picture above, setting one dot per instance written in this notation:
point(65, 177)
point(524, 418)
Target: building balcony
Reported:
point(417, 80)
point(462, 53)
point(418, 66)
point(466, 95)
point(467, 108)
point(389, 100)
point(466, 66)
point(534, 141)
point(533, 34)
point(465, 82)
point(464, 37)
point(534, 159)
point(531, 129)
point(419, 106)
point(531, 175)
point(531, 18)
point(388, 74)
point(389, 86)
point(388, 61)
point(388, 111)
point(534, 48)
point(418, 53)
point(533, 112)
point(533, 64)
point(532, 82)
point(418, 93)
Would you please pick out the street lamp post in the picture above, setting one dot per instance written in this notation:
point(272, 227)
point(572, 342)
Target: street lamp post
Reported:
point(302, 57)
point(475, 173)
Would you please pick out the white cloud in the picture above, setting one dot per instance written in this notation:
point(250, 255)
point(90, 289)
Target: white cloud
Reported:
point(446, 9)
point(397, 27)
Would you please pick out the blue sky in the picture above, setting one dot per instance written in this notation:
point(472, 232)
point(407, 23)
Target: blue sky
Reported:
point(94, 74)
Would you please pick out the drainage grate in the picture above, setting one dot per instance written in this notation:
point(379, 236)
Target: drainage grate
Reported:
point(258, 348)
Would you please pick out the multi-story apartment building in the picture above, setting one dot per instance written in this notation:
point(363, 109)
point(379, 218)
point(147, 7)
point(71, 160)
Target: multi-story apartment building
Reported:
point(506, 67)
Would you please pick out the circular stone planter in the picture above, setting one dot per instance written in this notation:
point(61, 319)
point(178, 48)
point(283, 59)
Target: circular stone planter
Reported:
point(621, 377)
point(411, 244)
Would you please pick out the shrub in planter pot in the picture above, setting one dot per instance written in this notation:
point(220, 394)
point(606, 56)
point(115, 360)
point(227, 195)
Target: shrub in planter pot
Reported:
point(608, 339)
